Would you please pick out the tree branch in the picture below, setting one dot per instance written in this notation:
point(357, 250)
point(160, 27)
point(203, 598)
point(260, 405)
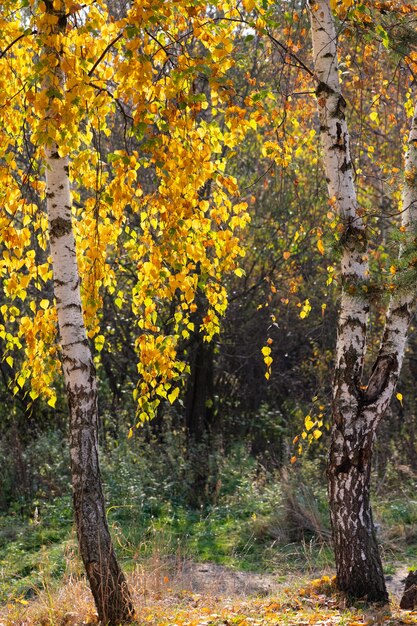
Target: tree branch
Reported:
point(25, 34)
point(103, 54)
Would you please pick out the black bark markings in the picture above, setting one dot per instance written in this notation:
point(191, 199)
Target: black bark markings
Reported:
point(59, 227)
point(324, 88)
point(112, 599)
point(383, 367)
point(108, 584)
point(353, 238)
point(359, 568)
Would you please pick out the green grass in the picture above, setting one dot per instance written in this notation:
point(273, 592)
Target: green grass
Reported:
point(30, 551)
point(234, 532)
point(246, 529)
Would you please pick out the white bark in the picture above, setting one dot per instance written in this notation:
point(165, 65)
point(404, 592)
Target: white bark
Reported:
point(334, 132)
point(402, 303)
point(77, 362)
point(354, 265)
point(106, 579)
point(66, 275)
point(353, 318)
point(76, 353)
point(356, 409)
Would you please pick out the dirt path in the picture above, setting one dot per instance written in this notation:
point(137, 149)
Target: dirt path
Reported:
point(224, 581)
point(395, 582)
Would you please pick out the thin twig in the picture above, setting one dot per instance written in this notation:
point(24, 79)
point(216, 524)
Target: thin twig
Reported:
point(291, 54)
point(7, 48)
point(103, 54)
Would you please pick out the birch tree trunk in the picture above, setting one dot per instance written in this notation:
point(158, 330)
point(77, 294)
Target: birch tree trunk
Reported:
point(106, 579)
point(357, 408)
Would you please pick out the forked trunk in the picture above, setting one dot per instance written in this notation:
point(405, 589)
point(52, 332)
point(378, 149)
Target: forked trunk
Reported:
point(106, 579)
point(357, 407)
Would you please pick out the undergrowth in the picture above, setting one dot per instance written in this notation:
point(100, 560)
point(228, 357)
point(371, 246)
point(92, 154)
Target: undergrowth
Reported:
point(258, 523)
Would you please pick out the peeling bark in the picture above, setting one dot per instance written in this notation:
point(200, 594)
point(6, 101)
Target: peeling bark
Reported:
point(357, 408)
point(106, 579)
point(358, 563)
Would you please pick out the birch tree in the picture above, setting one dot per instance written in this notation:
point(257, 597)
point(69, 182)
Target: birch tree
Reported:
point(358, 404)
point(106, 579)
point(62, 84)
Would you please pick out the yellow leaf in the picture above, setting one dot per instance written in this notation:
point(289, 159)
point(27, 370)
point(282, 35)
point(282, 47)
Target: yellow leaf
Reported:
point(249, 4)
point(52, 401)
point(308, 422)
point(130, 433)
point(9, 361)
point(399, 397)
point(266, 350)
point(44, 304)
point(293, 460)
point(373, 116)
point(316, 433)
point(173, 395)
point(320, 246)
point(99, 342)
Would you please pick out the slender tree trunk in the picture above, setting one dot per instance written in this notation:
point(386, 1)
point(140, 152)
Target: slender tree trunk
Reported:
point(357, 408)
point(199, 411)
point(106, 579)
point(199, 420)
point(199, 399)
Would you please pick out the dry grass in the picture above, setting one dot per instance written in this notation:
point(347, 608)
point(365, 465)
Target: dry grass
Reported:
point(165, 591)
point(164, 601)
point(177, 592)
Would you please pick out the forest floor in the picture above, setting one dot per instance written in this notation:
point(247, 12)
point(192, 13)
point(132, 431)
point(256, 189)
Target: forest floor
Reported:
point(260, 556)
point(174, 593)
